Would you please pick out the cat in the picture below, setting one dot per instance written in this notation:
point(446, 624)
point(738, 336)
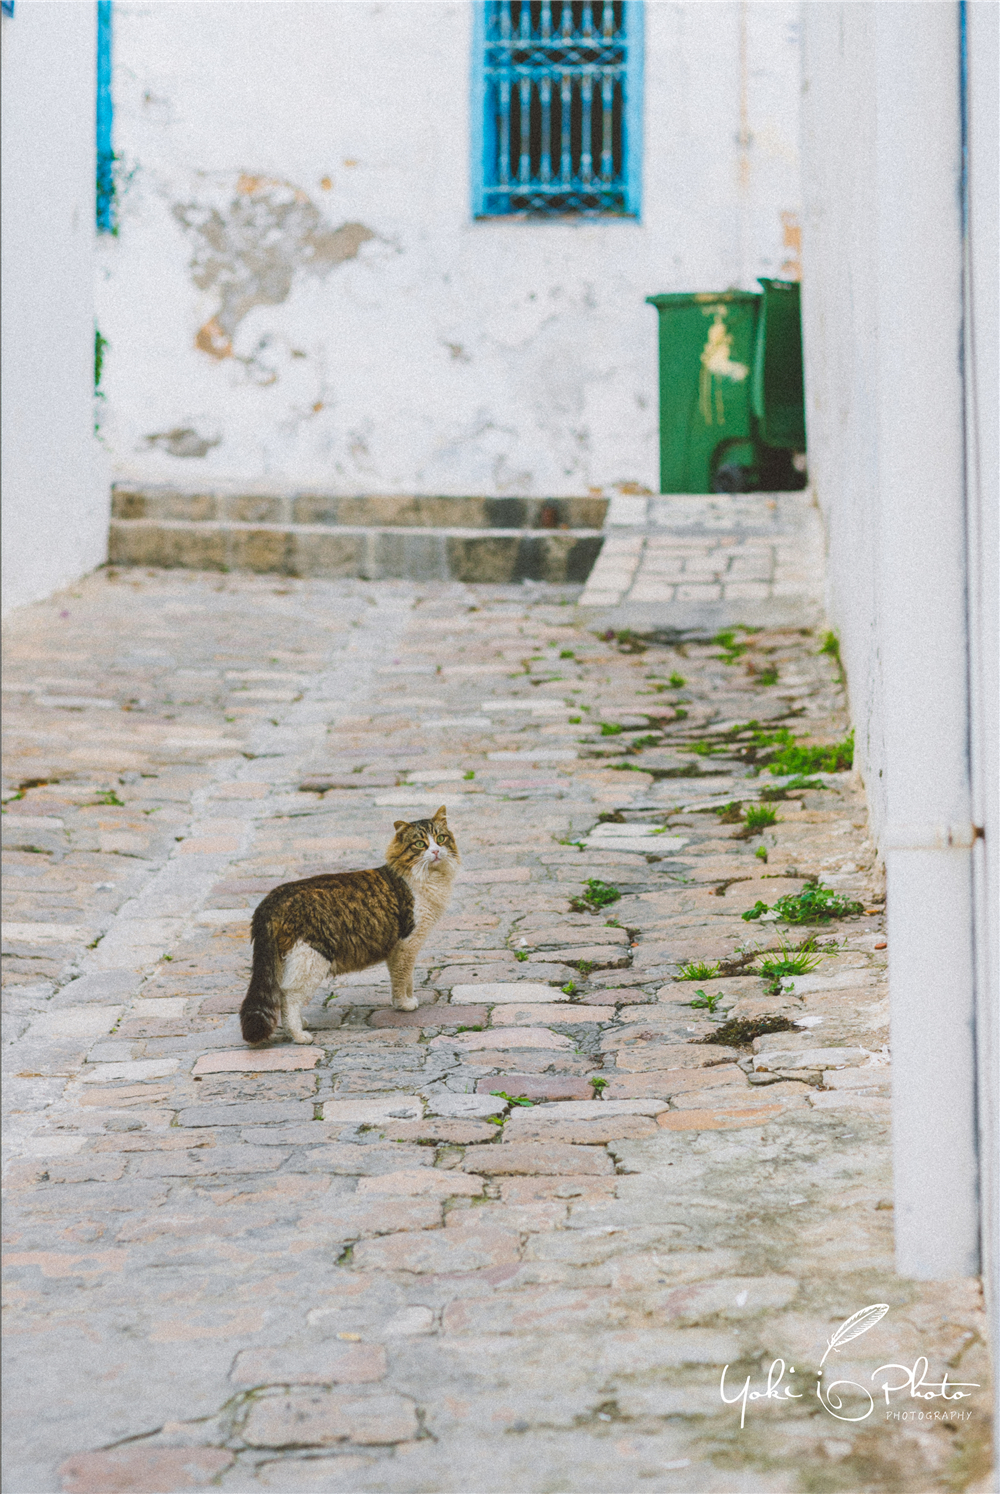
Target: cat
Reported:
point(304, 932)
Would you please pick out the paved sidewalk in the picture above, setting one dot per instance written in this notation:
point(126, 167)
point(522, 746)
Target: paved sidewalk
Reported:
point(358, 1266)
point(689, 562)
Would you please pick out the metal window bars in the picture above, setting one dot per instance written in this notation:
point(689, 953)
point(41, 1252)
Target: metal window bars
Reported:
point(555, 74)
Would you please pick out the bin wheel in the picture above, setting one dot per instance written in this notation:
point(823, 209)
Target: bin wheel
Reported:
point(733, 477)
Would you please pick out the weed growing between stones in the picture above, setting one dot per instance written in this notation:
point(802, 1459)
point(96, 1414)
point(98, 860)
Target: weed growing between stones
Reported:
point(708, 1002)
point(732, 651)
point(814, 904)
point(777, 750)
point(789, 962)
point(697, 970)
point(597, 895)
point(758, 817)
point(791, 758)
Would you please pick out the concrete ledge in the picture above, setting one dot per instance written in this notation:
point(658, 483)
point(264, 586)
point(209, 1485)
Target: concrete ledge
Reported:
point(671, 616)
point(710, 514)
point(454, 554)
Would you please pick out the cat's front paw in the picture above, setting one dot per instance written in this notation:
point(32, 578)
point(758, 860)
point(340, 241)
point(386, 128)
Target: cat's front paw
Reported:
point(405, 1003)
point(302, 1037)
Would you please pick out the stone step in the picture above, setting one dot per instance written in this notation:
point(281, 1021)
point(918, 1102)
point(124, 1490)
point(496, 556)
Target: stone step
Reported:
point(372, 552)
point(397, 512)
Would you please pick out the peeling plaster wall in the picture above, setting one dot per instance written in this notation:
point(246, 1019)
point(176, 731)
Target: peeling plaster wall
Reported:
point(298, 296)
point(55, 480)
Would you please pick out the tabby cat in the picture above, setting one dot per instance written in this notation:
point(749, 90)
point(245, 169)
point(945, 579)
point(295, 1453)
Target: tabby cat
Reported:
point(304, 932)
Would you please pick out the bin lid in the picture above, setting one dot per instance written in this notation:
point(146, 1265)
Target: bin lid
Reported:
point(702, 298)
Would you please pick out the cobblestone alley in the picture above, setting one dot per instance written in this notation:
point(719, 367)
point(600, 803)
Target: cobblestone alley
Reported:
point(507, 1242)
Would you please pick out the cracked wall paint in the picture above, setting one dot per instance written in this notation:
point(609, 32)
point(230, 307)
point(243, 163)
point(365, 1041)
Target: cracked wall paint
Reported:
point(184, 441)
point(297, 296)
point(249, 253)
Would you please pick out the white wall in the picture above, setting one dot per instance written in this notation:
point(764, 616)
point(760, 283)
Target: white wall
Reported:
point(55, 487)
point(441, 355)
point(840, 334)
point(900, 330)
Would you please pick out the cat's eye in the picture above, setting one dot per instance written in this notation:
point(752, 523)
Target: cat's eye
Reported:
point(420, 845)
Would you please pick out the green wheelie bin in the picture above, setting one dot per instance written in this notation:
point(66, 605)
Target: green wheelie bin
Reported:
point(731, 405)
point(706, 356)
point(777, 395)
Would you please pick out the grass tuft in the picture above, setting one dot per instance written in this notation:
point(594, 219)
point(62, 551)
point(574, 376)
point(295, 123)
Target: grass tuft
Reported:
point(731, 649)
point(697, 970)
point(596, 895)
point(758, 817)
point(792, 758)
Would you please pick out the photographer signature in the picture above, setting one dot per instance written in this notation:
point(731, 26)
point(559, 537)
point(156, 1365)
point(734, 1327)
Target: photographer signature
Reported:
point(837, 1396)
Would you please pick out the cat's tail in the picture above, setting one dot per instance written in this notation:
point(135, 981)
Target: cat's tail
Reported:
point(261, 1009)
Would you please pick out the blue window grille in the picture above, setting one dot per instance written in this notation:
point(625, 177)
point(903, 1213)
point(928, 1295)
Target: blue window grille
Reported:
point(105, 154)
point(557, 107)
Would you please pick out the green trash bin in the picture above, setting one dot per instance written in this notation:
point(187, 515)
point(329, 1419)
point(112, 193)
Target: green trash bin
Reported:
point(732, 410)
point(706, 357)
point(777, 397)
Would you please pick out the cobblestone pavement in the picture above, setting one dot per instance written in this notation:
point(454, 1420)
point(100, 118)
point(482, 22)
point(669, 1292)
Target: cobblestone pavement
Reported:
point(361, 1266)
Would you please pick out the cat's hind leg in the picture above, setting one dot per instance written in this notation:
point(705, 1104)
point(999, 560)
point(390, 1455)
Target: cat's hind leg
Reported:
point(302, 975)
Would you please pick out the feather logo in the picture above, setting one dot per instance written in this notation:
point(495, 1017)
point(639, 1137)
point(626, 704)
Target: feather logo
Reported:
point(855, 1325)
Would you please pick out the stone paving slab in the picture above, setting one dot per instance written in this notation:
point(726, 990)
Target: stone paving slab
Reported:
point(509, 1240)
point(689, 563)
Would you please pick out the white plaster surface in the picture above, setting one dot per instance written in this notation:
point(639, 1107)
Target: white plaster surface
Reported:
point(55, 477)
point(900, 335)
point(446, 355)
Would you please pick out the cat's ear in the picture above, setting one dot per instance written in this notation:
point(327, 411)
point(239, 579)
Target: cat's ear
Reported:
point(439, 814)
point(400, 824)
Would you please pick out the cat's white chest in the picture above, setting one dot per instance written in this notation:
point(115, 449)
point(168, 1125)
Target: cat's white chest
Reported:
point(430, 897)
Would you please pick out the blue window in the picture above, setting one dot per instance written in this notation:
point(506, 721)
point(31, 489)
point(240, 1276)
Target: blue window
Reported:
point(557, 107)
point(105, 154)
